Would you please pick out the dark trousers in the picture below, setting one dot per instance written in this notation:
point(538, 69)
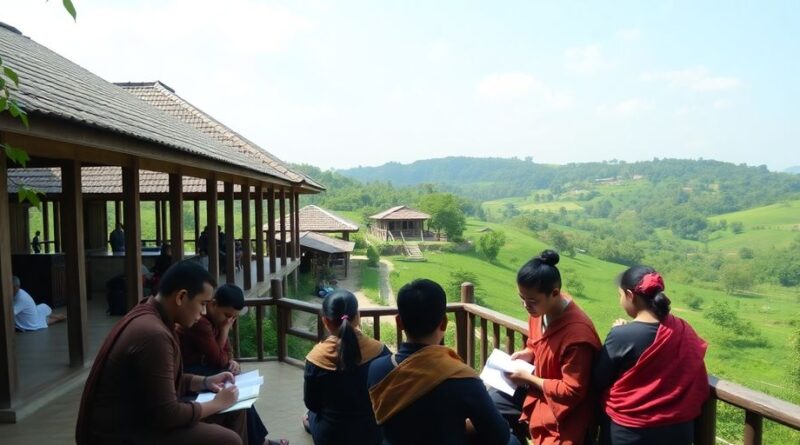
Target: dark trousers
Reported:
point(510, 408)
point(677, 434)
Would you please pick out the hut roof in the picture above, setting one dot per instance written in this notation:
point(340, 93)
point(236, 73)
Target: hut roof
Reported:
point(320, 242)
point(317, 219)
point(401, 213)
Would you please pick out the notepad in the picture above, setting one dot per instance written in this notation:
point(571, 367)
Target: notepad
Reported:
point(249, 385)
point(498, 364)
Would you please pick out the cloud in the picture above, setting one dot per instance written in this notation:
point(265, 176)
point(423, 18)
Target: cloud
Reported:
point(510, 86)
point(696, 79)
point(624, 108)
point(586, 60)
point(629, 34)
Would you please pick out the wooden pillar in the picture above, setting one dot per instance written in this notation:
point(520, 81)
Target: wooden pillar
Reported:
point(117, 213)
point(157, 204)
point(164, 224)
point(176, 216)
point(297, 223)
point(9, 382)
point(753, 428)
point(57, 226)
point(283, 318)
point(284, 233)
point(293, 228)
point(212, 223)
point(273, 252)
point(246, 229)
point(133, 233)
point(46, 225)
point(75, 262)
point(196, 226)
point(259, 233)
point(230, 248)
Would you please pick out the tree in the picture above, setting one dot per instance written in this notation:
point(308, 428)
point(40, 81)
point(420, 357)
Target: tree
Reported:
point(689, 226)
point(490, 244)
point(737, 227)
point(736, 277)
point(746, 253)
point(560, 242)
point(458, 277)
point(446, 214)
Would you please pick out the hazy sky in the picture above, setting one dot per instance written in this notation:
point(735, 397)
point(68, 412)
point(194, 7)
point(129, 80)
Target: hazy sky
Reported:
point(346, 83)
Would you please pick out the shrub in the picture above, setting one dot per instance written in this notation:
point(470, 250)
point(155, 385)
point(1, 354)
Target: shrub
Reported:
point(373, 257)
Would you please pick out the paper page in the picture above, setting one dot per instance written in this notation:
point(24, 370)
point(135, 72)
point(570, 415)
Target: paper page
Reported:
point(245, 404)
point(497, 365)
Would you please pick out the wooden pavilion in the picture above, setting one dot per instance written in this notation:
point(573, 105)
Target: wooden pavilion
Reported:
point(400, 222)
point(124, 144)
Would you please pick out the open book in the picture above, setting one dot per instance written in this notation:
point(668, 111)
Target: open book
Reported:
point(497, 365)
point(249, 385)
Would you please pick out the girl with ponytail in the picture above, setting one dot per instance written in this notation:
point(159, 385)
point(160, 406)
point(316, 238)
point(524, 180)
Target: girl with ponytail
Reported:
point(561, 345)
point(335, 390)
point(650, 372)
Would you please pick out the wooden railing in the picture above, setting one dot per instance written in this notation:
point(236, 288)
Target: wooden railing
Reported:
point(478, 329)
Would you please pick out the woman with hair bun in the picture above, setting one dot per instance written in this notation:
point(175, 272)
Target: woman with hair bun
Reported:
point(335, 391)
point(562, 344)
point(650, 372)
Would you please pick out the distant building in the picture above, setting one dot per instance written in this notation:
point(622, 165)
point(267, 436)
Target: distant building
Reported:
point(400, 222)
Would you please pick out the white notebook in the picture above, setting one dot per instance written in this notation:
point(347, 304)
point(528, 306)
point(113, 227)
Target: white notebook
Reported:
point(249, 385)
point(497, 365)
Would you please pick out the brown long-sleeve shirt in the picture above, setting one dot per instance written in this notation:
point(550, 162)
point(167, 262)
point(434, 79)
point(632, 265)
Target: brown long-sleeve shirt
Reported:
point(142, 380)
point(199, 345)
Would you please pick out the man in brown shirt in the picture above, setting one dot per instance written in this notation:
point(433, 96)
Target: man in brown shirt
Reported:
point(135, 388)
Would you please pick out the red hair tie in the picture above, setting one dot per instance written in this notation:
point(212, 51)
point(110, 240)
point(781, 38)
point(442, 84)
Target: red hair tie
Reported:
point(345, 317)
point(651, 284)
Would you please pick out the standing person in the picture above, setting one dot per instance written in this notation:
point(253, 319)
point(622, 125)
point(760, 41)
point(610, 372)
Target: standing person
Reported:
point(117, 239)
point(562, 345)
point(425, 394)
point(650, 372)
point(335, 390)
point(36, 243)
point(134, 392)
point(206, 350)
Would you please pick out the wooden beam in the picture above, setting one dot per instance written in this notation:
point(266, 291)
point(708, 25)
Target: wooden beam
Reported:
point(230, 248)
point(259, 198)
point(297, 221)
point(157, 205)
point(9, 382)
point(57, 225)
point(212, 223)
point(75, 263)
point(46, 225)
point(273, 252)
point(292, 228)
point(247, 273)
point(133, 234)
point(176, 216)
point(196, 225)
point(164, 222)
point(117, 212)
point(284, 233)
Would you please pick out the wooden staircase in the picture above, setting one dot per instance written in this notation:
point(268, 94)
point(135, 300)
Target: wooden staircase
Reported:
point(413, 252)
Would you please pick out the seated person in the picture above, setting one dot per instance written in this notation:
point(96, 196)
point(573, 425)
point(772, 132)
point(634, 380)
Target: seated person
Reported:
point(29, 316)
point(206, 350)
point(164, 260)
point(335, 390)
point(135, 390)
point(425, 394)
point(650, 371)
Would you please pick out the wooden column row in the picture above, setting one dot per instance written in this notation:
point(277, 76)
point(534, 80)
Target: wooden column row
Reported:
point(9, 382)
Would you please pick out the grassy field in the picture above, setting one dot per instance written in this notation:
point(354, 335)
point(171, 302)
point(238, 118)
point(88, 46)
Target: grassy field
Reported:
point(764, 368)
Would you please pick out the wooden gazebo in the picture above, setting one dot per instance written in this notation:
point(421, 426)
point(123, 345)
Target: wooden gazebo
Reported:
point(101, 142)
point(398, 223)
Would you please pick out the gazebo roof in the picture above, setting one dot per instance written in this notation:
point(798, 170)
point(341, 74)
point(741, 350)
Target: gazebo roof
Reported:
point(326, 244)
point(401, 213)
point(317, 219)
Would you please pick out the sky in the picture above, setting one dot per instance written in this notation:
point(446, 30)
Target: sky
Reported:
point(343, 83)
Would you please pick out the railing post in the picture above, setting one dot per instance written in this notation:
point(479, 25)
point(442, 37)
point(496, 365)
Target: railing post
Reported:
point(283, 325)
point(468, 297)
point(705, 426)
point(509, 341)
point(484, 341)
point(260, 332)
point(376, 327)
point(753, 428)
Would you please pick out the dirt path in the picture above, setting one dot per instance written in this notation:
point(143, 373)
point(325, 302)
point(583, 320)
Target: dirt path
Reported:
point(386, 268)
point(353, 281)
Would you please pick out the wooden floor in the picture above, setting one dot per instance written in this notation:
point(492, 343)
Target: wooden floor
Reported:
point(280, 406)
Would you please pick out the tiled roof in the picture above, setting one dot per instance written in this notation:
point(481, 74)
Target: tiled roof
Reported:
point(316, 219)
point(323, 243)
point(51, 85)
point(165, 99)
point(106, 180)
point(401, 212)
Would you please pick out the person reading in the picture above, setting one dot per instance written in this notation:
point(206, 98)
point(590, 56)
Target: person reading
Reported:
point(206, 350)
point(134, 390)
point(335, 390)
point(650, 372)
point(425, 394)
point(562, 344)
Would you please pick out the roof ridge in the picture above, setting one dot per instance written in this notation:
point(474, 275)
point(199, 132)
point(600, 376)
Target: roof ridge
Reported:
point(336, 217)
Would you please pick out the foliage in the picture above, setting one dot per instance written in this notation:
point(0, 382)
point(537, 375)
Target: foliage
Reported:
point(446, 214)
point(694, 301)
point(737, 227)
point(795, 365)
point(735, 332)
point(560, 242)
point(736, 277)
point(490, 244)
point(373, 256)
point(457, 278)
